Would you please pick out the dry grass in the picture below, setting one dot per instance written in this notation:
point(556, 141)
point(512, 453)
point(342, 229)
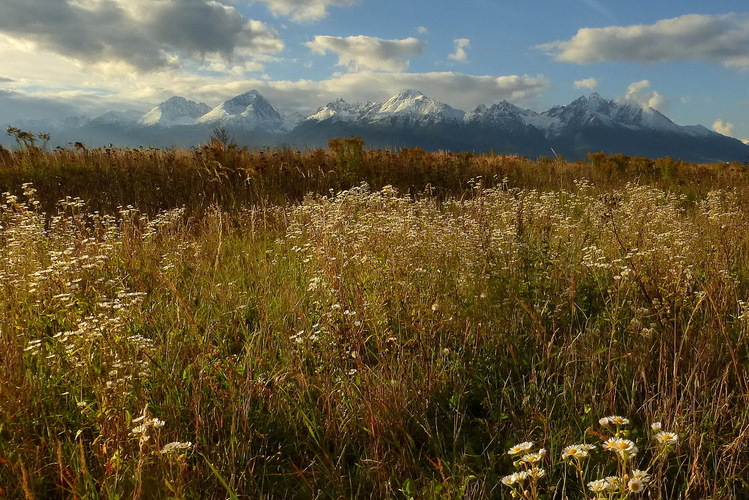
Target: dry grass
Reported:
point(377, 342)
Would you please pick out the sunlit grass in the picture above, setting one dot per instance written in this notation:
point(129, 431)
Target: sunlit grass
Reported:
point(374, 341)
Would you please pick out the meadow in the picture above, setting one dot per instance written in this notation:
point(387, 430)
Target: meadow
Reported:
point(348, 323)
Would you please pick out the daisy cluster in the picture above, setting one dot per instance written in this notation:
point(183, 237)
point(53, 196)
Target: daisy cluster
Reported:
point(628, 481)
point(525, 481)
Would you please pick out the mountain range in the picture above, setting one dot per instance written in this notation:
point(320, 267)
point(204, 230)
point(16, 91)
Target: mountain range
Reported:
point(409, 119)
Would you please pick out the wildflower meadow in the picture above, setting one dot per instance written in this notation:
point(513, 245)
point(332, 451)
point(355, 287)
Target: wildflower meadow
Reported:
point(345, 323)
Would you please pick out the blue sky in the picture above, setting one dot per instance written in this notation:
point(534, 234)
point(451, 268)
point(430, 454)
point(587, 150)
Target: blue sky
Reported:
point(688, 59)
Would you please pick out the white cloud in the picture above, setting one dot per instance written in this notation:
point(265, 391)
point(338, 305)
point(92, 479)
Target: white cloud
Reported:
point(588, 83)
point(641, 93)
point(722, 127)
point(359, 53)
point(456, 89)
point(695, 37)
point(140, 34)
point(460, 54)
point(305, 10)
point(78, 87)
point(305, 96)
point(422, 30)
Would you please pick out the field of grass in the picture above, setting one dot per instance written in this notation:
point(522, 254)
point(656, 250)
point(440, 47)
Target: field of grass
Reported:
point(344, 323)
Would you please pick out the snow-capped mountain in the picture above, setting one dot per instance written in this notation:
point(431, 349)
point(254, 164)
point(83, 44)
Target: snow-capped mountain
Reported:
point(585, 112)
point(338, 110)
point(595, 111)
point(409, 108)
point(502, 114)
point(174, 111)
point(587, 124)
point(248, 111)
point(411, 119)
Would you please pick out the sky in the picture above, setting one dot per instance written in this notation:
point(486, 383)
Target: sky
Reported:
point(688, 59)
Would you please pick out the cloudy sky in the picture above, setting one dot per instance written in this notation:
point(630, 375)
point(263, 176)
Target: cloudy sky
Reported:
point(689, 59)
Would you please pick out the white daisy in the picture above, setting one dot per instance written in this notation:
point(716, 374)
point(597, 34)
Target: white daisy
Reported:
point(533, 458)
point(667, 438)
point(575, 451)
point(641, 475)
point(598, 486)
point(617, 420)
point(520, 448)
point(623, 447)
point(636, 485)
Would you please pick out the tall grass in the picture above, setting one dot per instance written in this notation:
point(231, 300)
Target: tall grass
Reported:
point(380, 341)
point(154, 180)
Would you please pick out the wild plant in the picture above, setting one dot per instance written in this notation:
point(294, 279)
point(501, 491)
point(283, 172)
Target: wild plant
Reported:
point(626, 478)
point(376, 341)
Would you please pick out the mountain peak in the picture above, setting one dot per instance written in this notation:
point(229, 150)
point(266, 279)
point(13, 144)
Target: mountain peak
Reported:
point(409, 94)
point(338, 110)
point(246, 99)
point(594, 102)
point(174, 100)
point(174, 111)
point(413, 107)
point(501, 114)
point(410, 118)
point(249, 111)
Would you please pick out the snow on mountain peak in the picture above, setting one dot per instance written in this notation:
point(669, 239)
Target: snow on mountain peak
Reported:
point(505, 114)
point(338, 110)
point(410, 109)
point(249, 111)
point(413, 107)
point(409, 94)
point(174, 111)
point(594, 110)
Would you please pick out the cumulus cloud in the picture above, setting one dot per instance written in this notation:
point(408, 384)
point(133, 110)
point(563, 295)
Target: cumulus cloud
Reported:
point(359, 53)
point(722, 127)
point(305, 10)
point(422, 30)
point(456, 89)
point(641, 93)
point(694, 37)
point(588, 83)
point(460, 54)
point(142, 34)
point(62, 94)
point(305, 96)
